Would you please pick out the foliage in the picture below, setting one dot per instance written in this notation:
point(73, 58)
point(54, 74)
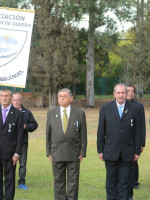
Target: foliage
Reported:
point(54, 58)
point(134, 49)
point(21, 4)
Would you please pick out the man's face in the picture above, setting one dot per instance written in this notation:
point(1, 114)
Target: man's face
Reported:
point(64, 99)
point(120, 94)
point(16, 101)
point(5, 98)
point(130, 93)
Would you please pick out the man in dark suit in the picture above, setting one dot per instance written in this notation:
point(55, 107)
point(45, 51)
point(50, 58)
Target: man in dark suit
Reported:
point(30, 125)
point(118, 142)
point(11, 139)
point(66, 143)
point(131, 93)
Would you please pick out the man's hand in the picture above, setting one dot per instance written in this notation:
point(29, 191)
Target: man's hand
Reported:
point(101, 156)
point(141, 149)
point(136, 157)
point(80, 157)
point(50, 157)
point(15, 158)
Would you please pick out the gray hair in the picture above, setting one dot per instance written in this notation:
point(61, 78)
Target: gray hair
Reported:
point(5, 90)
point(120, 84)
point(17, 94)
point(65, 90)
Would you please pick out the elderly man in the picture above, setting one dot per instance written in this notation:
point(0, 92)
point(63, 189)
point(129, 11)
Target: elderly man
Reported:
point(118, 142)
point(66, 142)
point(30, 125)
point(11, 139)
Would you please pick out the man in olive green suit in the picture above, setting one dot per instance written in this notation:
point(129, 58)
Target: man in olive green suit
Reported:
point(66, 143)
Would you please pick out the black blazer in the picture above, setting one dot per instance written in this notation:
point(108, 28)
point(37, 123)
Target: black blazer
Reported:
point(143, 123)
point(117, 136)
point(11, 134)
point(29, 120)
point(72, 144)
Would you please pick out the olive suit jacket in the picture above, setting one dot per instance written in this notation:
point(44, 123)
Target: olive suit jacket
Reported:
point(117, 136)
point(70, 145)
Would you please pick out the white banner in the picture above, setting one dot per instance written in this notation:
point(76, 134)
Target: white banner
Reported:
point(15, 37)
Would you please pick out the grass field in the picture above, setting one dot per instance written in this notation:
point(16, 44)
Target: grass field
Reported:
point(39, 177)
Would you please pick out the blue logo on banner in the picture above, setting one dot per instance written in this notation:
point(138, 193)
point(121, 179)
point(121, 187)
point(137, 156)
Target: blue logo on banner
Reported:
point(11, 45)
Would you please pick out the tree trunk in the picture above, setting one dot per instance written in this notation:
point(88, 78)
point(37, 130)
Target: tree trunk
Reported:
point(90, 100)
point(40, 101)
point(74, 91)
point(52, 100)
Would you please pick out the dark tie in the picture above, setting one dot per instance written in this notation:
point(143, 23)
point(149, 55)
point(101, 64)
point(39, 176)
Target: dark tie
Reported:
point(4, 114)
point(120, 110)
point(65, 120)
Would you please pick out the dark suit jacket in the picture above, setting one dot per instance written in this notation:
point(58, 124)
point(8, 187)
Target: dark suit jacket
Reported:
point(11, 134)
point(72, 144)
point(117, 136)
point(29, 120)
point(142, 118)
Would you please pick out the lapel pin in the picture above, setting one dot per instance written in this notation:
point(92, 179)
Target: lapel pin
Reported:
point(126, 111)
point(11, 112)
point(56, 116)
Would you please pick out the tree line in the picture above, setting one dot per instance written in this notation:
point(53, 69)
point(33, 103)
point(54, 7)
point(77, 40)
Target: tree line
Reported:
point(63, 55)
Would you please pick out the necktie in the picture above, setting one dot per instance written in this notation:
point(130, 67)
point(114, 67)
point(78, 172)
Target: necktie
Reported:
point(65, 120)
point(120, 110)
point(4, 114)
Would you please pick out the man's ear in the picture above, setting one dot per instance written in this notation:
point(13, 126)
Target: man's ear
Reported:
point(71, 99)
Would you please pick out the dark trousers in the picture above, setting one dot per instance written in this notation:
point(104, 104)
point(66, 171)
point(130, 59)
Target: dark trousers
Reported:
point(117, 179)
point(63, 171)
point(8, 170)
point(136, 173)
point(133, 176)
point(23, 163)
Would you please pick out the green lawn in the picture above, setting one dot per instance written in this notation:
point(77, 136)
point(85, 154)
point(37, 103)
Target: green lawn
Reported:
point(39, 177)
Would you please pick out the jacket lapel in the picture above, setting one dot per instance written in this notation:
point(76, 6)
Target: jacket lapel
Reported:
point(115, 110)
point(1, 119)
point(58, 119)
point(11, 111)
point(126, 110)
point(71, 119)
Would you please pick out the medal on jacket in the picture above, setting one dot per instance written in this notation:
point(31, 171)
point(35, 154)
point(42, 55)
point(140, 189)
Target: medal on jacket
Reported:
point(77, 125)
point(131, 122)
point(9, 129)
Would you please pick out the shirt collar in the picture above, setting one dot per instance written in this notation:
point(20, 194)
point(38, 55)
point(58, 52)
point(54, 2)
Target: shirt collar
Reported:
point(67, 108)
point(120, 105)
point(7, 107)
